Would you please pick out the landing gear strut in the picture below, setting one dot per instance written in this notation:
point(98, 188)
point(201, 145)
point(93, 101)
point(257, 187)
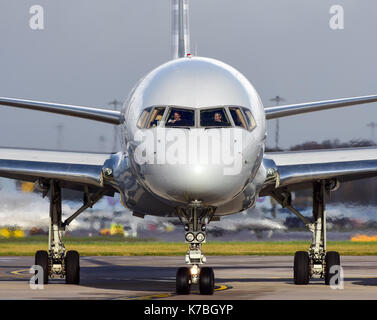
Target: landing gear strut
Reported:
point(316, 262)
point(196, 218)
point(57, 262)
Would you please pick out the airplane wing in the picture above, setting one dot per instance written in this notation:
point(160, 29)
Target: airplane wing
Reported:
point(297, 170)
point(73, 169)
point(293, 109)
point(102, 115)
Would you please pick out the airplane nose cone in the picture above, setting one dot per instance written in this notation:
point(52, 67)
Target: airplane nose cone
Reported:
point(198, 164)
point(184, 183)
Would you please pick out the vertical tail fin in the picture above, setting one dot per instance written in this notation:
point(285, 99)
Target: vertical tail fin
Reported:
point(180, 45)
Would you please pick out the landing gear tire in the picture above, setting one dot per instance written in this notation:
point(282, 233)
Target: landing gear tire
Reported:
point(206, 281)
point(72, 267)
point(41, 259)
point(183, 281)
point(301, 271)
point(332, 258)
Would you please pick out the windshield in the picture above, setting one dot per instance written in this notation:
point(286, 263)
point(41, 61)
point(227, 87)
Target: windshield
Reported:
point(214, 118)
point(217, 117)
point(180, 118)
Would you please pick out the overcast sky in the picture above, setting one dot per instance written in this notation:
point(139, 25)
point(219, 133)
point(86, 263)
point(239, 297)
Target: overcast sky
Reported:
point(92, 51)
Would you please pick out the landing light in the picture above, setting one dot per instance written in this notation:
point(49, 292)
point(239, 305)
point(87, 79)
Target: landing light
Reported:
point(190, 237)
point(194, 270)
point(200, 237)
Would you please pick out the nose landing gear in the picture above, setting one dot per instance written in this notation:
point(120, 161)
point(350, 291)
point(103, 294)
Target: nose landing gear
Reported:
point(197, 218)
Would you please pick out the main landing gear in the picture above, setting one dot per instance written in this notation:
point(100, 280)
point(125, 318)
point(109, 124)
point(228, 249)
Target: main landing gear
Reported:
point(317, 262)
point(196, 218)
point(57, 262)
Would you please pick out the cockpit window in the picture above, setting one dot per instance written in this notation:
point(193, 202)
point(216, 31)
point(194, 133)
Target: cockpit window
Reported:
point(238, 118)
point(222, 116)
point(251, 124)
point(214, 118)
point(143, 118)
point(180, 118)
point(156, 117)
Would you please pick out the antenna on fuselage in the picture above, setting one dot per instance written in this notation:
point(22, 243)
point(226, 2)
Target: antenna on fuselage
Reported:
point(180, 31)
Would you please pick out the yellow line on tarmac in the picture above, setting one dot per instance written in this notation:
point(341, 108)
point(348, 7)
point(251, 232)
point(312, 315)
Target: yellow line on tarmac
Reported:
point(19, 272)
point(153, 296)
point(221, 288)
point(166, 295)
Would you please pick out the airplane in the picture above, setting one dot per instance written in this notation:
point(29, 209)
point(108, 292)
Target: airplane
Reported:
point(193, 147)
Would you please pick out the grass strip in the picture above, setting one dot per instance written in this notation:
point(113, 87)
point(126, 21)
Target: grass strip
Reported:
point(148, 247)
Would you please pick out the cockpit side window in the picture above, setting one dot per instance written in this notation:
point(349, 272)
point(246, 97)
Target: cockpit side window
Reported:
point(156, 117)
point(251, 124)
point(238, 118)
point(180, 118)
point(143, 118)
point(214, 118)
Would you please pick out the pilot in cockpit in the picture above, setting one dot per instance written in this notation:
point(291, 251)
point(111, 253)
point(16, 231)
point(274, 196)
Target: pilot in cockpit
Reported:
point(177, 119)
point(218, 119)
point(156, 121)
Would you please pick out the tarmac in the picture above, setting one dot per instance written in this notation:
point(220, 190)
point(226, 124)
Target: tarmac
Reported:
point(151, 277)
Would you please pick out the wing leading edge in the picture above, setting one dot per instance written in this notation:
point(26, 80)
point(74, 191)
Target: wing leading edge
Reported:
point(72, 168)
point(293, 109)
point(295, 170)
point(102, 115)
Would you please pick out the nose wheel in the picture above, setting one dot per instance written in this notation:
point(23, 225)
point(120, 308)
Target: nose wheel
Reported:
point(183, 281)
point(205, 277)
point(206, 281)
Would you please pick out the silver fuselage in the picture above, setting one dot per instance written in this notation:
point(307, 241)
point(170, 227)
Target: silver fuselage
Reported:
point(175, 172)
